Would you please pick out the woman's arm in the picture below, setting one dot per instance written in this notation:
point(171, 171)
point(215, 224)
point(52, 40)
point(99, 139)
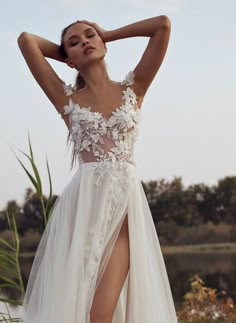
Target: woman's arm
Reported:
point(34, 49)
point(158, 30)
point(48, 48)
point(146, 28)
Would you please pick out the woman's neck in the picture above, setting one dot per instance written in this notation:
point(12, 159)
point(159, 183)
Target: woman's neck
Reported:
point(95, 77)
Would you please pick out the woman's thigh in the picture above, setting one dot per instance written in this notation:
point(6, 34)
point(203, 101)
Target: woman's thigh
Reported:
point(112, 281)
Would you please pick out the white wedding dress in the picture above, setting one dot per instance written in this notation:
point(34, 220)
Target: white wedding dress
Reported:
point(84, 225)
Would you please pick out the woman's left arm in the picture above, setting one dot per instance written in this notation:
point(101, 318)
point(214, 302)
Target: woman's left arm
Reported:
point(158, 30)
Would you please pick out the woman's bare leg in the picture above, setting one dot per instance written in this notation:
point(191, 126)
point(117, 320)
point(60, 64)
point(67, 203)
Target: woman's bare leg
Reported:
point(110, 286)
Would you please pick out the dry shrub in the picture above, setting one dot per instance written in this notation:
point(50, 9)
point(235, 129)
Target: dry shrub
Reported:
point(205, 305)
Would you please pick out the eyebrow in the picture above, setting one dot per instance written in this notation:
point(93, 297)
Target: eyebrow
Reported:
point(73, 36)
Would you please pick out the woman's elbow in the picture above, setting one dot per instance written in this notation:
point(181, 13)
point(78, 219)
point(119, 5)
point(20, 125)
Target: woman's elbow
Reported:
point(23, 38)
point(165, 22)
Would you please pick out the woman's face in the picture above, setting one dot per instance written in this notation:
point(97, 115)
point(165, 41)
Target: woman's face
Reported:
point(83, 45)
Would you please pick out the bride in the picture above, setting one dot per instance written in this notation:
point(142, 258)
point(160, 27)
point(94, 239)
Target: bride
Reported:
point(99, 258)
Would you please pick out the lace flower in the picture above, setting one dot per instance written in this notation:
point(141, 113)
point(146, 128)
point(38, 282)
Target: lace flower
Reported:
point(68, 89)
point(70, 107)
point(129, 96)
point(85, 144)
point(122, 147)
point(129, 79)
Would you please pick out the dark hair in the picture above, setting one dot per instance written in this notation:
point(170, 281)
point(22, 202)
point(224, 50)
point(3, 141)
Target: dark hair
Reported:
point(79, 84)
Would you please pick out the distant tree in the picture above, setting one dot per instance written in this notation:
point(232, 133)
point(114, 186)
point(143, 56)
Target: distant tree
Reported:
point(29, 215)
point(33, 212)
point(226, 199)
point(12, 207)
point(203, 200)
point(166, 199)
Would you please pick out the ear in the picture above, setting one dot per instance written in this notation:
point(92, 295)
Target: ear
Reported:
point(69, 63)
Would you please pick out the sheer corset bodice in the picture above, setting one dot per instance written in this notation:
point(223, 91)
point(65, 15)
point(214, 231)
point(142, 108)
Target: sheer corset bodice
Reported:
point(97, 138)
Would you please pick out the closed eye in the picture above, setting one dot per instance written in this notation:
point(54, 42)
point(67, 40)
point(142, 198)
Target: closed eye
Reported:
point(90, 36)
point(76, 42)
point(73, 42)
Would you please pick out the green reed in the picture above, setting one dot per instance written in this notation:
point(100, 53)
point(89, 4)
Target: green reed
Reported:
point(37, 183)
point(10, 271)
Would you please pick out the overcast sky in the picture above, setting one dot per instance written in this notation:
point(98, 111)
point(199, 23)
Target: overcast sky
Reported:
point(188, 115)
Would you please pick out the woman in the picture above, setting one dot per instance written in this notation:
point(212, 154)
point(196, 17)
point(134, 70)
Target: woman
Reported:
point(99, 259)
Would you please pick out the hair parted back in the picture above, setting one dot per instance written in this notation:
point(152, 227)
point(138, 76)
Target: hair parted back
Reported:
point(79, 83)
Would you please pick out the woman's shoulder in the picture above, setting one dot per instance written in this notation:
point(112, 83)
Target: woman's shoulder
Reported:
point(132, 88)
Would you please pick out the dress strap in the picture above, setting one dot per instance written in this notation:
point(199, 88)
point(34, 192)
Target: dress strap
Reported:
point(129, 79)
point(68, 89)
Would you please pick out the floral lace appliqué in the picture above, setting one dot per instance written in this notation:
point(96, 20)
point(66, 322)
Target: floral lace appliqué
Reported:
point(129, 79)
point(100, 139)
point(120, 181)
point(68, 89)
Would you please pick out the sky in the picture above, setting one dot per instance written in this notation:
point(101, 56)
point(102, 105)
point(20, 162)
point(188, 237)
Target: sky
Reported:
point(188, 114)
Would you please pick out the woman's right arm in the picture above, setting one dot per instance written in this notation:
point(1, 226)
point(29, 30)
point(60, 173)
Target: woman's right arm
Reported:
point(34, 49)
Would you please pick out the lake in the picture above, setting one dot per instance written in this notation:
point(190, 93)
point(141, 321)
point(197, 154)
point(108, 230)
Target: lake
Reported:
point(218, 271)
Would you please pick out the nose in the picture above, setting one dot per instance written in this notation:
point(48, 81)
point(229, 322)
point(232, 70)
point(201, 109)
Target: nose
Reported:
point(85, 43)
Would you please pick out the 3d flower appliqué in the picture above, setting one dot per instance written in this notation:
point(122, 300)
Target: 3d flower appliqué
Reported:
point(70, 107)
point(129, 96)
point(68, 89)
point(100, 139)
point(129, 80)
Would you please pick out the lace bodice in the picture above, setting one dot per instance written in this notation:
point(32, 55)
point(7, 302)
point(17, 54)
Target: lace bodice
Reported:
point(97, 138)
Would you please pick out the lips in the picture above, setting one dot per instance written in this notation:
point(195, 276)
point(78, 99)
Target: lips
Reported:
point(87, 49)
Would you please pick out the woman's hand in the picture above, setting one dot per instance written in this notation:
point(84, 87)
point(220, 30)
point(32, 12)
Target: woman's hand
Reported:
point(101, 32)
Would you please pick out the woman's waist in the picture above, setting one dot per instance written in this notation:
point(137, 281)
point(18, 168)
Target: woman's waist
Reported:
point(107, 163)
point(86, 157)
point(115, 172)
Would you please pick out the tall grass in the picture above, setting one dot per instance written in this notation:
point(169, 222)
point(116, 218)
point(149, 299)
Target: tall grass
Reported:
point(37, 183)
point(10, 272)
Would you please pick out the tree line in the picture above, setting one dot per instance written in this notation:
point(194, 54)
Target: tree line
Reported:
point(181, 215)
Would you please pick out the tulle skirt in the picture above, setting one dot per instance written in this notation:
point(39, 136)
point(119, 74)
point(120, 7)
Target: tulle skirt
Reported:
point(77, 244)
